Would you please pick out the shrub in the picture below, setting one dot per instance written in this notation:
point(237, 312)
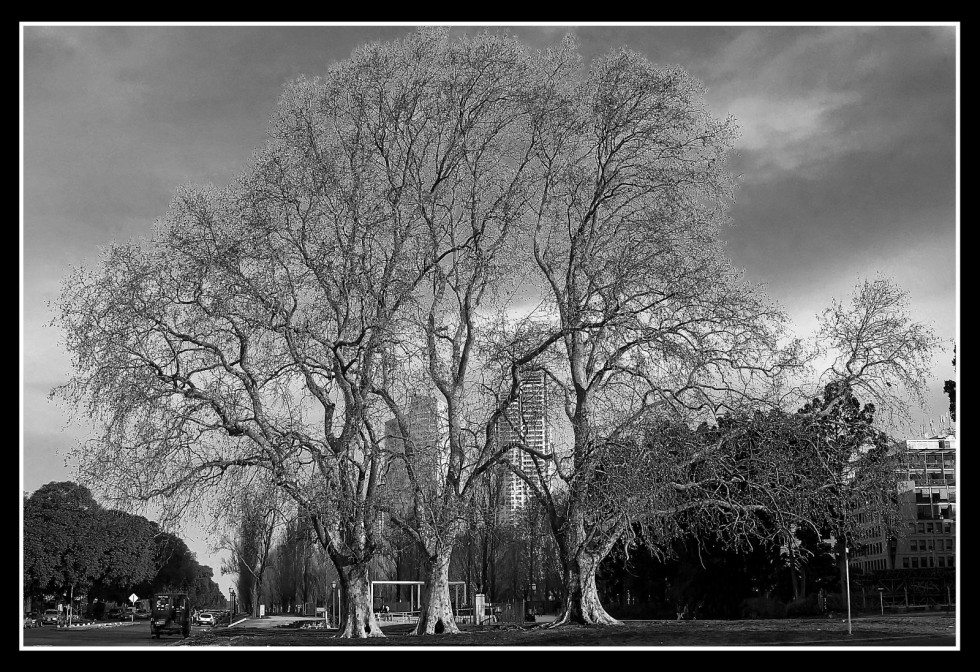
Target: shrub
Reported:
point(836, 603)
point(807, 606)
point(762, 607)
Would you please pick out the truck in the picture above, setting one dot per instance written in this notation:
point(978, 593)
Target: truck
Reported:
point(171, 614)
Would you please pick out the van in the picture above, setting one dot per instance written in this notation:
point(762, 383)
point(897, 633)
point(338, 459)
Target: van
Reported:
point(170, 614)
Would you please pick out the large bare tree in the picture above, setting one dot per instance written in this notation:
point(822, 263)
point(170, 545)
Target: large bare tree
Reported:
point(657, 325)
point(252, 330)
point(390, 241)
point(652, 318)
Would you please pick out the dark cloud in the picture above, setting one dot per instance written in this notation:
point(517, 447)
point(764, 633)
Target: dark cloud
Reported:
point(847, 155)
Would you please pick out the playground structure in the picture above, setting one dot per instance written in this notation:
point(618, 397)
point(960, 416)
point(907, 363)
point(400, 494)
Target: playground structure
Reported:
point(409, 610)
point(477, 612)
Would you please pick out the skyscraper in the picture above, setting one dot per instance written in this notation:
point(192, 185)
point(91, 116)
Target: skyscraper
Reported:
point(525, 423)
point(427, 434)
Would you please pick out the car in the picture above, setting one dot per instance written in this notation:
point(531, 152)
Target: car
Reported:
point(206, 618)
point(115, 614)
point(51, 617)
point(31, 619)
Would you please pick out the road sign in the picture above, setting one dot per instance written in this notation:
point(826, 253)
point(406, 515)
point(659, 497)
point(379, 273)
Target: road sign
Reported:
point(133, 598)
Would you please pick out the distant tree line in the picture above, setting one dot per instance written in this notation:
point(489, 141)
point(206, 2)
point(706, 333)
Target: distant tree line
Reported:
point(74, 547)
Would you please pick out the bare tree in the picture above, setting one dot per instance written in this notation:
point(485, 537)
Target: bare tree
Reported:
point(468, 180)
point(256, 516)
point(876, 350)
point(434, 218)
point(252, 329)
point(651, 317)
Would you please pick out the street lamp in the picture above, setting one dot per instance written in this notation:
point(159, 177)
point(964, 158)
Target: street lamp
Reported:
point(847, 578)
point(333, 592)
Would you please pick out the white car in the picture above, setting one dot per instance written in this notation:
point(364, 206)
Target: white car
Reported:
point(206, 618)
point(51, 617)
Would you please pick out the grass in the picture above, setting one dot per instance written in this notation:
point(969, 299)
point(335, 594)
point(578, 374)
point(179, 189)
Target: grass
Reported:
point(883, 631)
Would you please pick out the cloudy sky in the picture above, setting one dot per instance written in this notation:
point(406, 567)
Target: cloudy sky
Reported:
point(848, 157)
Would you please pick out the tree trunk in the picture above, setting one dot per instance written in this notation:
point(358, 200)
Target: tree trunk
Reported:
point(582, 604)
point(436, 616)
point(793, 577)
point(356, 611)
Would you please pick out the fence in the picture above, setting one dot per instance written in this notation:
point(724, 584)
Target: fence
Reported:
point(495, 613)
point(503, 612)
point(902, 589)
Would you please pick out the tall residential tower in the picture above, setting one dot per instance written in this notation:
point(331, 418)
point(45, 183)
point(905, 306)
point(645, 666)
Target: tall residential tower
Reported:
point(525, 423)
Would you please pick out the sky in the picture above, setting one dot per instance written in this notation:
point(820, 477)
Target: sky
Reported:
point(848, 159)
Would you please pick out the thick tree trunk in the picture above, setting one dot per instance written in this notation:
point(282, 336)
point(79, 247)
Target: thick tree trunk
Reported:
point(356, 611)
point(582, 604)
point(437, 611)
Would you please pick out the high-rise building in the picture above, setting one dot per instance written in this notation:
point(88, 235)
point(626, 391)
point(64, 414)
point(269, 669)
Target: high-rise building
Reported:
point(427, 438)
point(525, 423)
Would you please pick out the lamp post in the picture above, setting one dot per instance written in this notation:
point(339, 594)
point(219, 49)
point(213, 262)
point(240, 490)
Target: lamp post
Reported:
point(333, 592)
point(847, 578)
point(881, 600)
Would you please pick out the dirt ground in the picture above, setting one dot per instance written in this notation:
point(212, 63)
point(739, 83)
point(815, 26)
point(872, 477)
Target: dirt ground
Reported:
point(888, 631)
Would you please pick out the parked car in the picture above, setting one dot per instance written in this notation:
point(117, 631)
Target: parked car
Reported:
point(50, 617)
point(206, 618)
point(115, 614)
point(31, 619)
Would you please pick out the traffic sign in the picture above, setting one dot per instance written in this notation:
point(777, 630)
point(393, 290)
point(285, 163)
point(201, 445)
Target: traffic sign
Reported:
point(133, 598)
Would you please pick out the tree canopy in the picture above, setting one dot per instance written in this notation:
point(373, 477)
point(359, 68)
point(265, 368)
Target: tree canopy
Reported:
point(437, 219)
point(74, 545)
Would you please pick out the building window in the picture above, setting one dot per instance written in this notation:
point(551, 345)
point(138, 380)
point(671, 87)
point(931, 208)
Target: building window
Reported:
point(949, 561)
point(905, 563)
point(941, 560)
point(949, 544)
point(915, 563)
point(922, 528)
point(929, 528)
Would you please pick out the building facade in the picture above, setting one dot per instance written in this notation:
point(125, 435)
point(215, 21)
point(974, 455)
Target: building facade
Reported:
point(525, 423)
point(927, 493)
point(425, 445)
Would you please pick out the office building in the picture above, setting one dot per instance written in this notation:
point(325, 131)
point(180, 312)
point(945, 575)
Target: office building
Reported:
point(926, 487)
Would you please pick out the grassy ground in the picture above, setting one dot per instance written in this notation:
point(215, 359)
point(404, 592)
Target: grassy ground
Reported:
point(866, 631)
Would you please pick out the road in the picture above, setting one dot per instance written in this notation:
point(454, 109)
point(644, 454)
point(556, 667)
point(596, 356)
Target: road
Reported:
point(137, 636)
point(134, 634)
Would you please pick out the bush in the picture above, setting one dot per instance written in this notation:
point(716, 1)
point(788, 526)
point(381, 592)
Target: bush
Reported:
point(836, 603)
point(762, 607)
point(807, 606)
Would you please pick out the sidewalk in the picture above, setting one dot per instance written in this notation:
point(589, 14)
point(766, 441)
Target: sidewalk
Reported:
point(279, 620)
point(271, 621)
